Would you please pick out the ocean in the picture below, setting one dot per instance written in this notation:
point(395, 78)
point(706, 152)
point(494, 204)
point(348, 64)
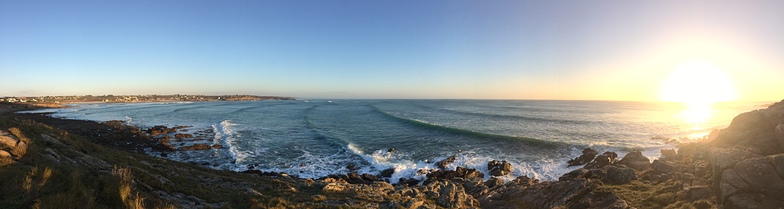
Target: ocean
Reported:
point(315, 138)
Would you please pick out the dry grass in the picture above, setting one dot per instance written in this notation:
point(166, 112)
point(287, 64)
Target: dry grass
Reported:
point(37, 180)
point(663, 195)
point(131, 200)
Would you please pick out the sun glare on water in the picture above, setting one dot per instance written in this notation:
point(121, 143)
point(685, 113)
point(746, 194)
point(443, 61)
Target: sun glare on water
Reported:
point(698, 85)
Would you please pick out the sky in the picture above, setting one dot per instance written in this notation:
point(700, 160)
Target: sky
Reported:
point(566, 50)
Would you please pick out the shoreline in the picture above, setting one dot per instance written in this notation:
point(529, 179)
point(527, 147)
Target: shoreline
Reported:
point(58, 101)
point(693, 176)
point(166, 143)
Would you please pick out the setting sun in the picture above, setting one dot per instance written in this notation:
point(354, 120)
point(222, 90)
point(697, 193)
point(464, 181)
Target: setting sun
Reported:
point(698, 83)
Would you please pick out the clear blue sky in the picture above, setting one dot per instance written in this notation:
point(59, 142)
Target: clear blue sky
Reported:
point(616, 50)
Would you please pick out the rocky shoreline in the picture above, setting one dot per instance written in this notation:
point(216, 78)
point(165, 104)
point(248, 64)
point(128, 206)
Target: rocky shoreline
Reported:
point(741, 166)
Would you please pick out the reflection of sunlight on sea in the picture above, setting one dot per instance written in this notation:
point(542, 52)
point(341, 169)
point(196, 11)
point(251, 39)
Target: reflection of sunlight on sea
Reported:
point(697, 114)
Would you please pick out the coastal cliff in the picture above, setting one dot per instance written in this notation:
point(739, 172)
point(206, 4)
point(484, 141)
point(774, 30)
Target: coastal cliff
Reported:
point(55, 163)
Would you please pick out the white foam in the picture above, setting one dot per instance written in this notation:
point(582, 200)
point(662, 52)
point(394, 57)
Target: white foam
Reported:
point(382, 159)
point(225, 135)
point(129, 120)
point(543, 169)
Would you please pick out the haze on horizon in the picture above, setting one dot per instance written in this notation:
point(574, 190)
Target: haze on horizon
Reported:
point(571, 50)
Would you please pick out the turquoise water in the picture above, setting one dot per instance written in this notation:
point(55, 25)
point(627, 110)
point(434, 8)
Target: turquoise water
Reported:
point(314, 138)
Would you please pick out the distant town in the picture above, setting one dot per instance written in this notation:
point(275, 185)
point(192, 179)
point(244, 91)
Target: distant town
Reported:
point(136, 98)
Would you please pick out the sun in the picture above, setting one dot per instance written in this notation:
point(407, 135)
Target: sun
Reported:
point(698, 83)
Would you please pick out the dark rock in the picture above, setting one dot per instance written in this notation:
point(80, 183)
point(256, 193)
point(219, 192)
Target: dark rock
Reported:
point(196, 147)
point(159, 130)
point(635, 160)
point(660, 166)
point(761, 176)
point(524, 181)
point(499, 168)
point(751, 200)
point(611, 174)
point(556, 194)
point(605, 159)
point(587, 156)
point(354, 178)
point(698, 192)
point(352, 167)
point(410, 182)
point(754, 132)
point(444, 163)
point(605, 200)
point(722, 159)
point(458, 172)
point(261, 173)
point(754, 121)
point(183, 136)
point(779, 131)
point(476, 188)
point(452, 196)
point(612, 155)
point(165, 142)
point(367, 178)
point(494, 182)
point(387, 172)
point(508, 194)
point(578, 173)
point(619, 175)
point(669, 154)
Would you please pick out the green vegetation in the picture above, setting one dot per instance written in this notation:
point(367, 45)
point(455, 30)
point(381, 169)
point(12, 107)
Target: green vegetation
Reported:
point(646, 195)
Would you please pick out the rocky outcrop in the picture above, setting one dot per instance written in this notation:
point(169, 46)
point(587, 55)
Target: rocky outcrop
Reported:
point(505, 195)
point(454, 196)
point(12, 146)
point(635, 160)
point(386, 173)
point(669, 154)
point(573, 193)
point(499, 168)
point(753, 183)
point(459, 172)
point(7, 140)
point(494, 182)
point(182, 136)
point(605, 159)
point(611, 174)
point(587, 156)
point(160, 130)
point(738, 167)
point(445, 162)
point(200, 146)
point(354, 178)
point(747, 160)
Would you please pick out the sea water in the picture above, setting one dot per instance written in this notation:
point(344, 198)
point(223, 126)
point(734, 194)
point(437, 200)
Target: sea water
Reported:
point(315, 138)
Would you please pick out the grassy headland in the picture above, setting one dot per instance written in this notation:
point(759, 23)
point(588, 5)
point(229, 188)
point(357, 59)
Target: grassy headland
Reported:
point(57, 169)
